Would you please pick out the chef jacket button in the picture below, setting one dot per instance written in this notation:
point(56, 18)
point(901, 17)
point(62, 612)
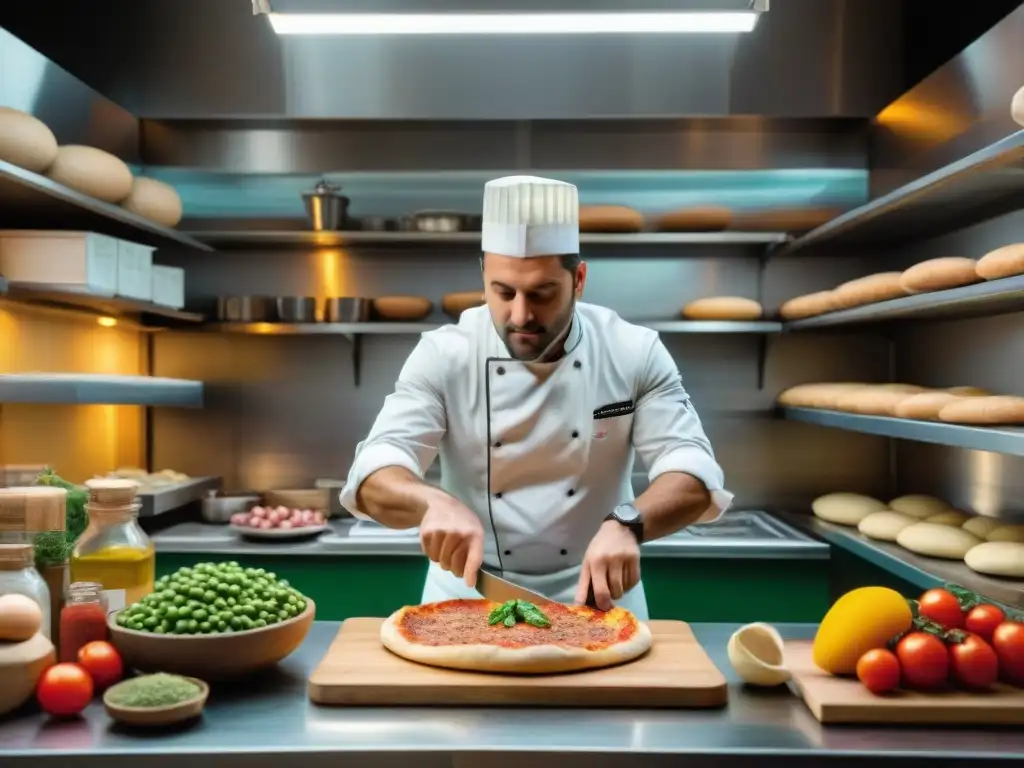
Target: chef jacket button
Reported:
point(571, 492)
point(497, 495)
point(497, 444)
point(575, 433)
point(508, 552)
point(565, 551)
point(577, 364)
point(501, 370)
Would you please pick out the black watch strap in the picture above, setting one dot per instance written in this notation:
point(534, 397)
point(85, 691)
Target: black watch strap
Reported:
point(629, 516)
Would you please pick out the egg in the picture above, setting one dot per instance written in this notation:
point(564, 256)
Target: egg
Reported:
point(20, 618)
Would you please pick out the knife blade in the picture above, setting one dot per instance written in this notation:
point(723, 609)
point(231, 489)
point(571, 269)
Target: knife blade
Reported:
point(494, 587)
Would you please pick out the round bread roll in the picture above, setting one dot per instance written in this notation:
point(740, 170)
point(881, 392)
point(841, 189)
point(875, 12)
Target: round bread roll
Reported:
point(952, 517)
point(997, 409)
point(809, 305)
point(868, 290)
point(154, 200)
point(455, 304)
point(26, 141)
point(815, 395)
point(402, 308)
point(92, 172)
point(918, 505)
point(1017, 107)
point(997, 558)
point(940, 274)
point(934, 540)
point(884, 525)
point(723, 308)
point(845, 508)
point(1014, 533)
point(968, 391)
point(880, 400)
point(782, 219)
point(698, 218)
point(1002, 262)
point(610, 218)
point(924, 405)
point(981, 526)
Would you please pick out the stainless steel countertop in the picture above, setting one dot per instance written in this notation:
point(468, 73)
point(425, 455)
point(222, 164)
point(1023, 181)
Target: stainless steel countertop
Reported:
point(740, 534)
point(262, 722)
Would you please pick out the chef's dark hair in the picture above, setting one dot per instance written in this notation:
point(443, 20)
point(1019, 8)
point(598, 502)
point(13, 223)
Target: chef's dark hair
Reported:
point(569, 261)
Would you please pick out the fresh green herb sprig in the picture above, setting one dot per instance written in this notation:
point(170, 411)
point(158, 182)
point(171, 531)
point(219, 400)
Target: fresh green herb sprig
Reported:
point(511, 612)
point(52, 548)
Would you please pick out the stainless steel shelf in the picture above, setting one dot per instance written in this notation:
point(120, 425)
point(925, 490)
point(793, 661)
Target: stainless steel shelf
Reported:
point(1005, 440)
point(272, 239)
point(712, 326)
point(31, 201)
point(982, 185)
point(988, 298)
point(99, 389)
point(144, 312)
point(169, 498)
point(337, 329)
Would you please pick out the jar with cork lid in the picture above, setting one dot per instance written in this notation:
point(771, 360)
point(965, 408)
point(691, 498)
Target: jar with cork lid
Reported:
point(114, 551)
point(18, 576)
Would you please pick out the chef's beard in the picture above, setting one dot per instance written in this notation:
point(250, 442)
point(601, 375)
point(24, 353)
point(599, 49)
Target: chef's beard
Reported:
point(548, 345)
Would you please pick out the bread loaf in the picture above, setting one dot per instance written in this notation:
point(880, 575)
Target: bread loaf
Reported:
point(1014, 533)
point(703, 218)
point(723, 308)
point(25, 140)
point(884, 525)
point(154, 200)
point(881, 286)
point(952, 517)
point(997, 558)
point(782, 219)
point(845, 508)
point(934, 540)
point(402, 308)
point(997, 409)
point(924, 405)
point(92, 172)
point(610, 218)
point(1002, 262)
point(815, 395)
point(809, 305)
point(455, 304)
point(981, 526)
point(968, 391)
point(1017, 107)
point(918, 505)
point(940, 274)
point(876, 400)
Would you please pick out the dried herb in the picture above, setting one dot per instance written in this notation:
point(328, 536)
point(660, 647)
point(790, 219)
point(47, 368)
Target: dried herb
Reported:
point(148, 691)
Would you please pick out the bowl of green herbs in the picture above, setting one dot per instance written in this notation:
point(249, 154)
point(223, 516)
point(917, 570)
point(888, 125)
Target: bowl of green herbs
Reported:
point(156, 700)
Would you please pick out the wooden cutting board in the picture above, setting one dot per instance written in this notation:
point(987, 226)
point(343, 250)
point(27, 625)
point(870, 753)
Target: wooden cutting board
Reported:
point(845, 700)
point(359, 671)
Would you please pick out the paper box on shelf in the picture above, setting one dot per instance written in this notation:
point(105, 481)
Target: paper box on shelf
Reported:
point(169, 286)
point(134, 270)
point(83, 262)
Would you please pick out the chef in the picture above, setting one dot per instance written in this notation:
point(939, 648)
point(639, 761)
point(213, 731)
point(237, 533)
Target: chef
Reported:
point(536, 404)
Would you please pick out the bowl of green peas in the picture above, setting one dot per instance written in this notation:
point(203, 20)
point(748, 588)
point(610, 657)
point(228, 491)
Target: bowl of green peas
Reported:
point(213, 621)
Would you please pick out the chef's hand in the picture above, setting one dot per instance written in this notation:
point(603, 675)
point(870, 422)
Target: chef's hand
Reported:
point(452, 536)
point(611, 564)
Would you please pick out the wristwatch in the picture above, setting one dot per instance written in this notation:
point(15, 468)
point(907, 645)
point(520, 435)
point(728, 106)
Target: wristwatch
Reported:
point(629, 516)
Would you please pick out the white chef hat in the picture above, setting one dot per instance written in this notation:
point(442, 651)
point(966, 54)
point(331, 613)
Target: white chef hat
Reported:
point(528, 216)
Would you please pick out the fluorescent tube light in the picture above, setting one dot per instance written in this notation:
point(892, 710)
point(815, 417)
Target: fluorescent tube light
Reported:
point(511, 23)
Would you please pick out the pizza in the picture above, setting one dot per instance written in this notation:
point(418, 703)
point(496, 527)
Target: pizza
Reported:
point(515, 637)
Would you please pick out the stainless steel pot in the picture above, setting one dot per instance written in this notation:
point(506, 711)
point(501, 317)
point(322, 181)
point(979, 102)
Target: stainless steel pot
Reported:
point(347, 309)
point(326, 208)
point(246, 309)
point(439, 221)
point(219, 509)
point(296, 309)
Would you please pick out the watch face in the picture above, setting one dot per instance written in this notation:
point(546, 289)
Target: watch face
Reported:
point(627, 512)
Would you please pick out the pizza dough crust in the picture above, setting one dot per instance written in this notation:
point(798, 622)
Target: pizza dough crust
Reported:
point(154, 200)
point(1002, 262)
point(535, 660)
point(723, 308)
point(934, 540)
point(881, 286)
point(996, 409)
point(997, 558)
point(809, 305)
point(698, 218)
point(1012, 533)
point(952, 517)
point(92, 172)
point(25, 140)
point(918, 505)
point(884, 525)
point(982, 526)
point(783, 219)
point(845, 508)
point(940, 274)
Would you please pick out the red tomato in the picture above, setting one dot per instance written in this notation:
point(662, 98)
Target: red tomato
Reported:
point(1008, 642)
point(64, 690)
point(982, 620)
point(942, 607)
point(974, 663)
point(923, 659)
point(879, 670)
point(102, 661)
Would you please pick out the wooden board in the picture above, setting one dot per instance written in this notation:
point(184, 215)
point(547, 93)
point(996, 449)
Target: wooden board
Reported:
point(359, 671)
point(845, 700)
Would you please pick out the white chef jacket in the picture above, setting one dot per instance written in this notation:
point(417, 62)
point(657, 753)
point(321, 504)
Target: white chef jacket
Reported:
point(542, 452)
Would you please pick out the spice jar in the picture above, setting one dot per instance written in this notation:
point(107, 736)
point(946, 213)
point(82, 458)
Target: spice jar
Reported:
point(18, 576)
point(83, 619)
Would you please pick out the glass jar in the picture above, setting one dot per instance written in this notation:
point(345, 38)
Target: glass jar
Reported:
point(18, 576)
point(115, 553)
point(83, 618)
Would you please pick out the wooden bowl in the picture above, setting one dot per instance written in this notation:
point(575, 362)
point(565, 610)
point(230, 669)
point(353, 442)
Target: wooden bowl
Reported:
point(157, 716)
point(402, 308)
point(226, 656)
point(21, 665)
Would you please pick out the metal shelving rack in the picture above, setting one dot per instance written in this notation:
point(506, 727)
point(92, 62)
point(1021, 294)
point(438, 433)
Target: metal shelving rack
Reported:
point(99, 389)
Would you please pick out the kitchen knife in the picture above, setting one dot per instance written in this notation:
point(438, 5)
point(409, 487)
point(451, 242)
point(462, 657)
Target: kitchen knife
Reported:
point(495, 588)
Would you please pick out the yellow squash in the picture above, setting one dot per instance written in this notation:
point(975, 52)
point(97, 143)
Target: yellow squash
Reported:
point(859, 621)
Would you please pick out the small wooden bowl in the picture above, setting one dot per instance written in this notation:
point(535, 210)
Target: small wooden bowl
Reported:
point(402, 308)
point(227, 656)
point(157, 716)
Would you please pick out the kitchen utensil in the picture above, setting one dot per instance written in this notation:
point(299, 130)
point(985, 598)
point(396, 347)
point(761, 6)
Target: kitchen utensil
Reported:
point(347, 310)
point(358, 670)
point(296, 309)
point(834, 699)
point(158, 716)
point(439, 221)
point(211, 657)
point(402, 308)
point(326, 208)
point(494, 587)
point(246, 309)
point(286, 534)
point(219, 508)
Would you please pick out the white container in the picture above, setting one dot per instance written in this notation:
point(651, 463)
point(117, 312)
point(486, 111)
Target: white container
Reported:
point(18, 576)
point(169, 286)
point(134, 270)
point(83, 262)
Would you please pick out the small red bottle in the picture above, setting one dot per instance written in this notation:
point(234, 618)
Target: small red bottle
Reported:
point(83, 618)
